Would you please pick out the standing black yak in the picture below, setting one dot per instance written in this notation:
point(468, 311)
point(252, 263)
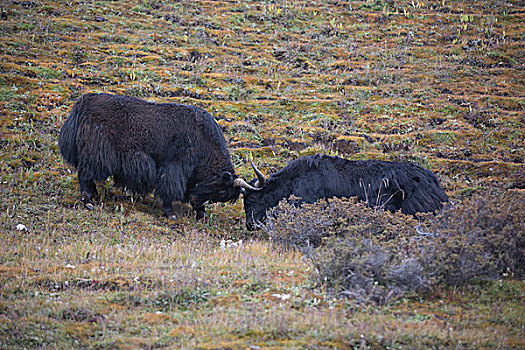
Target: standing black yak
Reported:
point(177, 150)
point(390, 185)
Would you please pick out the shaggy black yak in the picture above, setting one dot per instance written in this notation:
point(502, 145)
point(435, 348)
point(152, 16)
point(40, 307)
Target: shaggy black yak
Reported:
point(390, 185)
point(176, 150)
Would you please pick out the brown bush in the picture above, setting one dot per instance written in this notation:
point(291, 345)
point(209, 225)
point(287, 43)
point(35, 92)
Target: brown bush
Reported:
point(370, 254)
point(362, 252)
point(483, 237)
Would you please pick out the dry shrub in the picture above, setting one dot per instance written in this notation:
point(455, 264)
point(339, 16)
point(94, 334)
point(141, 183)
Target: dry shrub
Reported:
point(483, 237)
point(371, 254)
point(365, 253)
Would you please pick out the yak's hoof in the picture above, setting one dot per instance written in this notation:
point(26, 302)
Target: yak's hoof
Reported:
point(172, 218)
point(89, 206)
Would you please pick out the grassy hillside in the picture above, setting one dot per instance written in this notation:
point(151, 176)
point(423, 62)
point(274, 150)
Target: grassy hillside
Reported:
point(440, 83)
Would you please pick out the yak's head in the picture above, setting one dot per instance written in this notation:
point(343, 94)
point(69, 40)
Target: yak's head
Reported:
point(218, 188)
point(255, 205)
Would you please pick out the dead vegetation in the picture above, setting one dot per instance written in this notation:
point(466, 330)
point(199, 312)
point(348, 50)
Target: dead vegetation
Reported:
point(377, 256)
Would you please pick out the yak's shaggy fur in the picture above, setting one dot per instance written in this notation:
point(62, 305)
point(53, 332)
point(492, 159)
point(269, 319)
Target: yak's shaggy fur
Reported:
point(177, 150)
point(389, 185)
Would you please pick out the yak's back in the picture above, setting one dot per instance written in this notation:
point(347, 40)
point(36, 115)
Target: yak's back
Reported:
point(393, 185)
point(135, 124)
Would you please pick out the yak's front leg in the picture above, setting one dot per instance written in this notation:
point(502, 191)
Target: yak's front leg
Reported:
point(170, 187)
point(200, 212)
point(196, 204)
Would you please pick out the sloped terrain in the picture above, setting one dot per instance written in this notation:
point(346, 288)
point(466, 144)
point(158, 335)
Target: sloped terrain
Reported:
point(440, 83)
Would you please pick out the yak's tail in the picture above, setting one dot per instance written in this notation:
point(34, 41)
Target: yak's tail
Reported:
point(68, 134)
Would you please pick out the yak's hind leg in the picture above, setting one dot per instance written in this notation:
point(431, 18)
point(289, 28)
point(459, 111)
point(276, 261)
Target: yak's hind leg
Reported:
point(171, 186)
point(88, 191)
point(97, 159)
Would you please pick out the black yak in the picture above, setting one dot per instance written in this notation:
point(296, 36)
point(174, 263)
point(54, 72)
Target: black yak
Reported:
point(389, 185)
point(176, 150)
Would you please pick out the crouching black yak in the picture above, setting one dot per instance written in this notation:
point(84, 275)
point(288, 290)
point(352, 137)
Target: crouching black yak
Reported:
point(177, 150)
point(390, 185)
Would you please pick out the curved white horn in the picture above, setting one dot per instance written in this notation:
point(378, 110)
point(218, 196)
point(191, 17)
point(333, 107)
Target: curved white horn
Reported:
point(238, 182)
point(260, 177)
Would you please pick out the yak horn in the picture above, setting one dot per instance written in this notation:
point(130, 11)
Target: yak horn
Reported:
point(238, 182)
point(260, 177)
